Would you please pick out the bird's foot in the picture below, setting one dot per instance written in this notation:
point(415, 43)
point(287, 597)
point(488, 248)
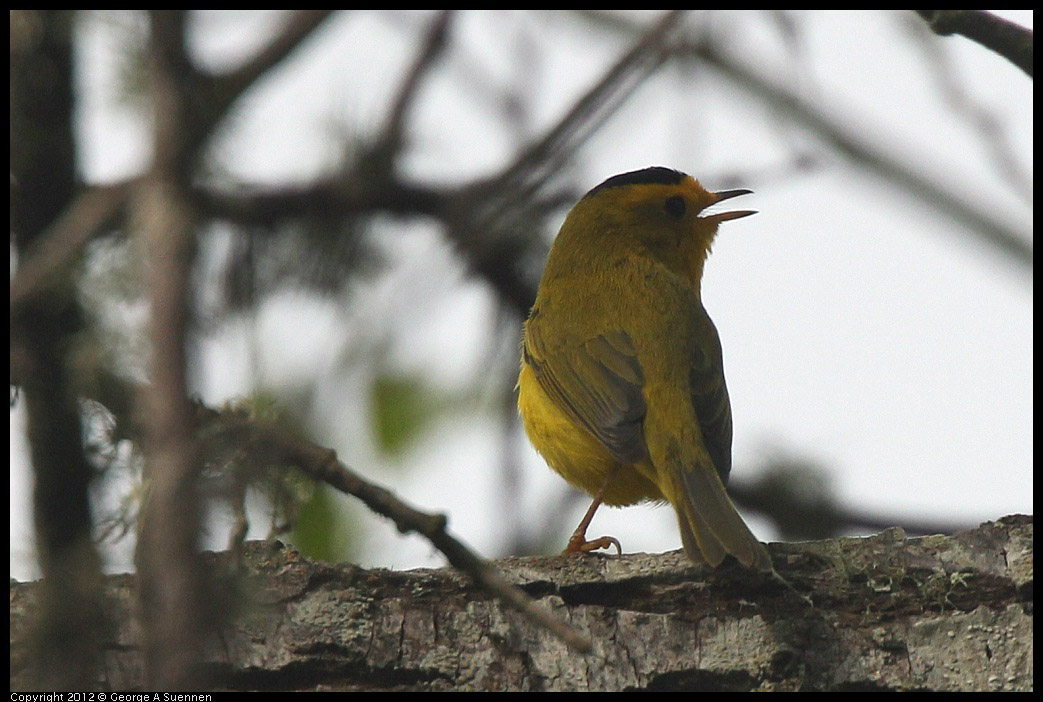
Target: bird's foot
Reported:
point(578, 544)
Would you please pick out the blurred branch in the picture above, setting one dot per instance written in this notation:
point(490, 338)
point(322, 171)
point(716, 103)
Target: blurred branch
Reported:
point(332, 197)
point(544, 157)
point(1006, 38)
point(493, 255)
point(980, 223)
point(277, 445)
point(173, 588)
point(70, 616)
point(465, 210)
point(484, 218)
point(60, 246)
point(57, 248)
point(982, 120)
point(298, 27)
point(795, 494)
point(382, 155)
point(214, 95)
point(210, 97)
point(259, 208)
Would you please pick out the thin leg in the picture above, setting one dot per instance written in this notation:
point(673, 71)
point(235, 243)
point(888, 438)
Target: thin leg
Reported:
point(578, 541)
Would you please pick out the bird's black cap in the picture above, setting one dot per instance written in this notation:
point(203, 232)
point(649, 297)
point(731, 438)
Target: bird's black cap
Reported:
point(656, 175)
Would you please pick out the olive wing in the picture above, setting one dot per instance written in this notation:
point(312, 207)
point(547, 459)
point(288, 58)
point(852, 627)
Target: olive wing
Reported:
point(598, 385)
point(709, 395)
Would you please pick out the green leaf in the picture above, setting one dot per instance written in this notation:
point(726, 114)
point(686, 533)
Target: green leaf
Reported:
point(324, 531)
point(403, 409)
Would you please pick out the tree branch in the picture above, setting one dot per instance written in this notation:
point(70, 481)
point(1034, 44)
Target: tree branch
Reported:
point(270, 443)
point(381, 157)
point(173, 589)
point(300, 25)
point(1006, 38)
point(54, 252)
point(69, 618)
point(892, 613)
point(328, 198)
point(543, 157)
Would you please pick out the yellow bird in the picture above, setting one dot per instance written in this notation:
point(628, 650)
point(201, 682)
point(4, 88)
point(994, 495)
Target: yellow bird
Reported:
point(622, 384)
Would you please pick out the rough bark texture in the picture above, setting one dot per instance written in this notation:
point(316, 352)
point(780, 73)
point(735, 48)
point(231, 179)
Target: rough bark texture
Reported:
point(890, 613)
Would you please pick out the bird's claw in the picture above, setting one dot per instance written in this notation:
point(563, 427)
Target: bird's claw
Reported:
point(579, 544)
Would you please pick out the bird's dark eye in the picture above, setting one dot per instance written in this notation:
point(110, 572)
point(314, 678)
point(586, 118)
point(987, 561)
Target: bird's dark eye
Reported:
point(675, 206)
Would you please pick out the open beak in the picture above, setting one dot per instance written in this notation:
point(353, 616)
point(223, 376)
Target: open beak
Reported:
point(723, 195)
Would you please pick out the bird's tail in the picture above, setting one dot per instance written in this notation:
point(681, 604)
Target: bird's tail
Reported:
point(711, 527)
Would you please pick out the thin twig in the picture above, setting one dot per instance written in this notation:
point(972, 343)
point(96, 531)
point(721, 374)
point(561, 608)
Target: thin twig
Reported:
point(320, 463)
point(984, 120)
point(391, 139)
point(483, 215)
point(298, 27)
point(593, 108)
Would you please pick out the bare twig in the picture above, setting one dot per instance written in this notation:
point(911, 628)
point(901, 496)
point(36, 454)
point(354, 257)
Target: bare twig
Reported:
point(542, 158)
point(484, 217)
point(298, 27)
point(389, 144)
point(277, 444)
point(1006, 38)
point(983, 120)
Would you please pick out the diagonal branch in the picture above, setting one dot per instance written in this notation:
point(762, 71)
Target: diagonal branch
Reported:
point(229, 86)
point(210, 97)
point(387, 147)
point(541, 158)
point(277, 444)
point(58, 247)
point(485, 217)
point(1009, 40)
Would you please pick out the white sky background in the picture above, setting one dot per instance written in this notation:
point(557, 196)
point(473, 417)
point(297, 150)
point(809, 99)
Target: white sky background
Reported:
point(861, 329)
